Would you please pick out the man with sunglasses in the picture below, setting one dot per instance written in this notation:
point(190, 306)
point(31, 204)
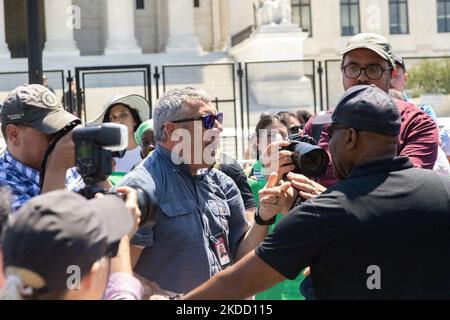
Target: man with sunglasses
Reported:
point(369, 59)
point(381, 232)
point(201, 211)
point(31, 117)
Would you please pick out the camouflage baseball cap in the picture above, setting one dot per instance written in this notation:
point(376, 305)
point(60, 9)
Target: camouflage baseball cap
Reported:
point(377, 43)
point(399, 61)
point(36, 106)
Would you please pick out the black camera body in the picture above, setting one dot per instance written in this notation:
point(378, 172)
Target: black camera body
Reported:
point(94, 147)
point(309, 159)
point(93, 159)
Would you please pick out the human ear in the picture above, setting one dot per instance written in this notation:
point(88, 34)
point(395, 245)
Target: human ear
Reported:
point(352, 138)
point(13, 134)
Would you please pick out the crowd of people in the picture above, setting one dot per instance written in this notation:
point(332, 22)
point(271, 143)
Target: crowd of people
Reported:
point(373, 226)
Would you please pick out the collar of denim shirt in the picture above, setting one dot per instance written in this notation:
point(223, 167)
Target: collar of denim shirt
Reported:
point(170, 157)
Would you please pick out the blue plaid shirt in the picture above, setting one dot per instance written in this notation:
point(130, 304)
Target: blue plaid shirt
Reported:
point(23, 181)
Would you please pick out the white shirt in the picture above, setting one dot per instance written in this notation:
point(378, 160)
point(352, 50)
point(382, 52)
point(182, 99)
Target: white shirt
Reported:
point(441, 165)
point(445, 139)
point(129, 160)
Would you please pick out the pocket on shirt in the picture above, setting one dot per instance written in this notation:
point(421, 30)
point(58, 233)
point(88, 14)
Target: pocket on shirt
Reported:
point(178, 208)
point(179, 225)
point(219, 208)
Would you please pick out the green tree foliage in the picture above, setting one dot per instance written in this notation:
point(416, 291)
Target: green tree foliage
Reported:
point(430, 76)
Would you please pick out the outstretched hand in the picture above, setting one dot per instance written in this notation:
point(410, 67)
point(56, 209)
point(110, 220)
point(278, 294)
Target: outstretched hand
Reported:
point(275, 199)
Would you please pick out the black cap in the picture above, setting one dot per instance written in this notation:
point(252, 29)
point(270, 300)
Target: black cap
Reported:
point(36, 106)
point(399, 61)
point(367, 108)
point(53, 232)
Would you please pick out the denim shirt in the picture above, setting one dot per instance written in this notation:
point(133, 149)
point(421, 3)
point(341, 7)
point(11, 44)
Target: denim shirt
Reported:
point(178, 253)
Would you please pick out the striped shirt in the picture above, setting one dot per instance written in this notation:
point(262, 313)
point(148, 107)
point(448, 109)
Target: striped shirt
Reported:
point(23, 181)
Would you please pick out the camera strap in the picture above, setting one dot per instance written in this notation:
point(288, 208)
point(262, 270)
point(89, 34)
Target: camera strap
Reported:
point(51, 147)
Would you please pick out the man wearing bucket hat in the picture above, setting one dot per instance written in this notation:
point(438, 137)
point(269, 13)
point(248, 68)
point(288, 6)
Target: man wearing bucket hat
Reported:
point(32, 120)
point(130, 110)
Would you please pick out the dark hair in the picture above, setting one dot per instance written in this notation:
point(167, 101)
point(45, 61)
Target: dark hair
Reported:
point(4, 131)
point(133, 112)
point(284, 116)
point(265, 121)
point(303, 116)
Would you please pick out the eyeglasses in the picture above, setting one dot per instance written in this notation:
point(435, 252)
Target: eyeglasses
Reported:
point(208, 120)
point(120, 117)
point(373, 72)
point(295, 129)
point(276, 136)
point(332, 128)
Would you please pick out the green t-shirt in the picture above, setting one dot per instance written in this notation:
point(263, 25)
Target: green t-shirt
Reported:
point(116, 177)
point(288, 289)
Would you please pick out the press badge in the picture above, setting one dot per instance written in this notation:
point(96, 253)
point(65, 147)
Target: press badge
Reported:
point(221, 249)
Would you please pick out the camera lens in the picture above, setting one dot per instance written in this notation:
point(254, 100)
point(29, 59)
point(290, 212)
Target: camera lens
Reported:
point(147, 205)
point(314, 163)
point(310, 159)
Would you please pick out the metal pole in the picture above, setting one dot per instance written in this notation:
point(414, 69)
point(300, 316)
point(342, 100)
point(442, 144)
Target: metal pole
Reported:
point(240, 74)
point(156, 75)
point(34, 42)
point(69, 94)
point(320, 72)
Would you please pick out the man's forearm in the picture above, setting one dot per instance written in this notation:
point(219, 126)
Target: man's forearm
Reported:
point(252, 238)
point(240, 281)
point(54, 180)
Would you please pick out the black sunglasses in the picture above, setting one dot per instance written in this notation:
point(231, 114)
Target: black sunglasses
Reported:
point(295, 129)
point(333, 127)
point(208, 120)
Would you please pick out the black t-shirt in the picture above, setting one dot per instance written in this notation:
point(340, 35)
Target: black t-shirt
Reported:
point(231, 168)
point(383, 233)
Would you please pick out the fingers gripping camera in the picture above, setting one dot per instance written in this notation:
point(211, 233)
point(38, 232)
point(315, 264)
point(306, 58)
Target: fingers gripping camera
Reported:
point(94, 146)
point(309, 159)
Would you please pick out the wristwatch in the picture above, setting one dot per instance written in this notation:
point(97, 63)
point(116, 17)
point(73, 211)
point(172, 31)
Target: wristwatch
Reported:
point(176, 296)
point(261, 222)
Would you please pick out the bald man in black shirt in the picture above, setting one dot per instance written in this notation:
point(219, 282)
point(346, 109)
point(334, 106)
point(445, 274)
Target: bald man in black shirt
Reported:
point(381, 232)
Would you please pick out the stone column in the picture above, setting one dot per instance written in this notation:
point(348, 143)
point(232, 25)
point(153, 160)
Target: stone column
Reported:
point(59, 29)
point(121, 37)
point(180, 27)
point(217, 39)
point(4, 51)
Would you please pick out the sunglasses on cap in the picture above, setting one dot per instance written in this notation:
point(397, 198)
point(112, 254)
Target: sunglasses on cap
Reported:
point(208, 120)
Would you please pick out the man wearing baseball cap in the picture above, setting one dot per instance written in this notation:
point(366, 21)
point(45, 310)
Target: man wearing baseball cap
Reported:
point(361, 237)
point(61, 246)
point(368, 59)
point(31, 119)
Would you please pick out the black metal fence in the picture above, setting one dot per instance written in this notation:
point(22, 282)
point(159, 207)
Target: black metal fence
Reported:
point(273, 86)
point(429, 82)
point(94, 84)
point(241, 90)
point(11, 80)
point(219, 81)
